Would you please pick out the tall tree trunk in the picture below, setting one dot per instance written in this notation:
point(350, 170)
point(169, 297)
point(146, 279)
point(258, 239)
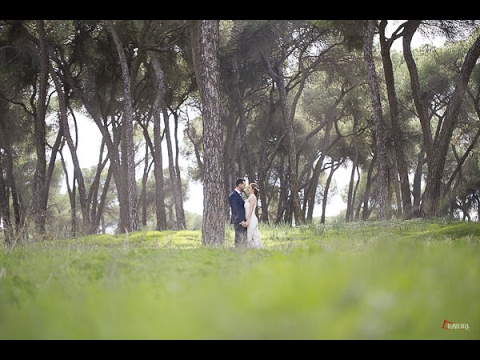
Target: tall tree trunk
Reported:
point(160, 211)
point(417, 184)
point(468, 151)
point(39, 187)
point(97, 205)
point(128, 126)
point(115, 164)
point(5, 206)
point(311, 189)
point(448, 126)
point(268, 155)
point(143, 191)
point(103, 198)
point(397, 132)
point(333, 168)
point(176, 182)
point(294, 198)
point(205, 42)
point(378, 119)
point(78, 177)
point(283, 213)
point(368, 188)
point(350, 197)
point(111, 141)
point(437, 151)
point(8, 188)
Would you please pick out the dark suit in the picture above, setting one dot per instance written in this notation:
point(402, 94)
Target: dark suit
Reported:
point(237, 206)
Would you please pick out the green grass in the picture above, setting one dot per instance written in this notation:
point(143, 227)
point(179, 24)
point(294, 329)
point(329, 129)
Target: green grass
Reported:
point(396, 280)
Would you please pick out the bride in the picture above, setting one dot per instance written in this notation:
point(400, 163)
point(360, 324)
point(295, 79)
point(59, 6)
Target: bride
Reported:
point(253, 234)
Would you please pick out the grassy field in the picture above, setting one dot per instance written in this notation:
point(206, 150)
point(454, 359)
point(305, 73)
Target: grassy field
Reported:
point(396, 280)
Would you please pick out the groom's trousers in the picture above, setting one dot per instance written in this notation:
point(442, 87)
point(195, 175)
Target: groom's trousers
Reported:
point(240, 236)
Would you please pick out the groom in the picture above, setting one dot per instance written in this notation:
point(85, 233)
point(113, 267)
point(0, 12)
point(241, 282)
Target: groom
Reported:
point(238, 213)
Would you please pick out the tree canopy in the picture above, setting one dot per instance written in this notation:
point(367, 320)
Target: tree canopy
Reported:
point(283, 103)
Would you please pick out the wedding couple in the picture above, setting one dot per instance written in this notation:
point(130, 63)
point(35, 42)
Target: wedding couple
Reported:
point(243, 216)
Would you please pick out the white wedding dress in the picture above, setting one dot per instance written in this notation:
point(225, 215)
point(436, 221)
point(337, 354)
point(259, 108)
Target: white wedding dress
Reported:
point(253, 234)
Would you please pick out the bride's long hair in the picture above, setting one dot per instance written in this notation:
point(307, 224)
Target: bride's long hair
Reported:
point(256, 189)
